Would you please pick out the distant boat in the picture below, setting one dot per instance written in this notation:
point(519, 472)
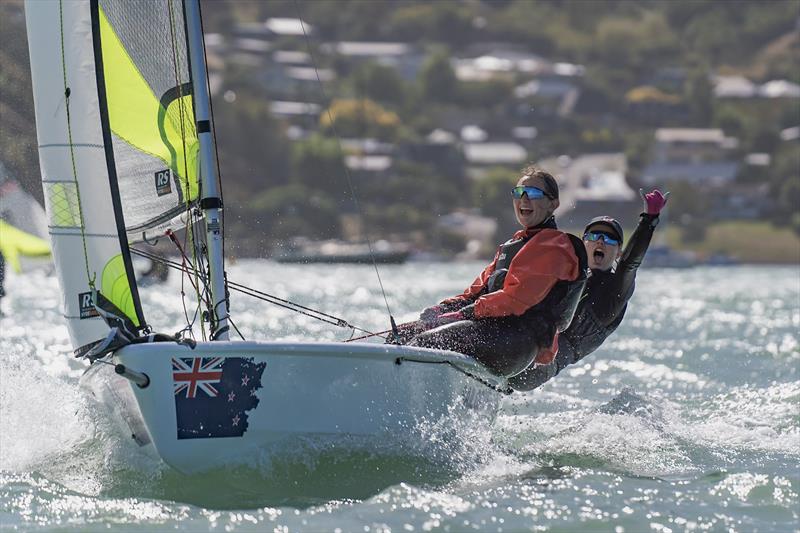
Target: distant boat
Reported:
point(721, 259)
point(333, 251)
point(661, 256)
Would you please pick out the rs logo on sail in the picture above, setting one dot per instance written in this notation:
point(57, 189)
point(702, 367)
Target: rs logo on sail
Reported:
point(86, 305)
point(163, 186)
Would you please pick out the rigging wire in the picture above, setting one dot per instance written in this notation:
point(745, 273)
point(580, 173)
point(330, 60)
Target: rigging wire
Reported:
point(344, 166)
point(275, 300)
point(197, 271)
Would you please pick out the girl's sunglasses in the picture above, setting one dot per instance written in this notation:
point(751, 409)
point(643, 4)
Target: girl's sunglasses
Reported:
point(534, 193)
point(596, 236)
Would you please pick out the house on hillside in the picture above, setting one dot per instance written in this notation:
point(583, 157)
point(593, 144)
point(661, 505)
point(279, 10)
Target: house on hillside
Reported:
point(405, 58)
point(272, 29)
point(592, 185)
point(304, 115)
point(293, 82)
point(731, 87)
point(482, 156)
point(701, 157)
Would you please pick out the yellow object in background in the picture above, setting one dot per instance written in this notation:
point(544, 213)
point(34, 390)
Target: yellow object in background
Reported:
point(15, 243)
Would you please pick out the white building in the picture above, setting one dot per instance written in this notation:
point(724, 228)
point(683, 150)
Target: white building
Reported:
point(698, 156)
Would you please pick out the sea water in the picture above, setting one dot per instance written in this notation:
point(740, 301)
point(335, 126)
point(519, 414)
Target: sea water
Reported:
point(686, 419)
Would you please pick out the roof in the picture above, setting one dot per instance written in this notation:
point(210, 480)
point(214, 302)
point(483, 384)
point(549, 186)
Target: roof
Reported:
point(733, 87)
point(441, 136)
point(790, 134)
point(369, 163)
point(371, 49)
point(278, 107)
point(716, 173)
point(291, 56)
point(605, 185)
point(779, 89)
point(310, 74)
point(690, 135)
point(495, 153)
point(256, 46)
point(288, 26)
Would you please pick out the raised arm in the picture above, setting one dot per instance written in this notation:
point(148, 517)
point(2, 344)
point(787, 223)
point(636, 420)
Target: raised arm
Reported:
point(612, 302)
point(633, 254)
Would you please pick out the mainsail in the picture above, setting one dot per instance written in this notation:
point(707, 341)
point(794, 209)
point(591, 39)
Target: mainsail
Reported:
point(117, 142)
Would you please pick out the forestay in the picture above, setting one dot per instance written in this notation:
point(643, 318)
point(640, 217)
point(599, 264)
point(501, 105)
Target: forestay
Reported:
point(117, 142)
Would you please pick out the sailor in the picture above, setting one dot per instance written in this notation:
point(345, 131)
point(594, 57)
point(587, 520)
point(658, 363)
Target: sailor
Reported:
point(607, 292)
point(512, 313)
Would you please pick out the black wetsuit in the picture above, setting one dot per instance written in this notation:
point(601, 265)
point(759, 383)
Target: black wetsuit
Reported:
point(509, 344)
point(599, 313)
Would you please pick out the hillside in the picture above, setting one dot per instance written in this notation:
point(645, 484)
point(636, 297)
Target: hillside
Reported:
point(626, 49)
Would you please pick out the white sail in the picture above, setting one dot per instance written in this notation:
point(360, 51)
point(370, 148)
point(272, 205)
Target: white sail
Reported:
point(72, 156)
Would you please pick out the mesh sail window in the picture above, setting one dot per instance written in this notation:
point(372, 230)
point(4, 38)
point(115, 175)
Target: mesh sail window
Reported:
point(149, 100)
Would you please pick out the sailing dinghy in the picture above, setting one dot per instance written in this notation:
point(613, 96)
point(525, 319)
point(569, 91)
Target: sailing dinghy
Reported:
point(126, 149)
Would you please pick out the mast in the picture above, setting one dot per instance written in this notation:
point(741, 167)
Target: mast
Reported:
point(210, 202)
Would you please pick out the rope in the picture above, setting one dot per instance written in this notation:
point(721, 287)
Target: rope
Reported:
point(342, 159)
point(67, 91)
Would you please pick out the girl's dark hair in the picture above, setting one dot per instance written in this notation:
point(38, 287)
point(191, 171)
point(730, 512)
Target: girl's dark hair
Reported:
point(550, 183)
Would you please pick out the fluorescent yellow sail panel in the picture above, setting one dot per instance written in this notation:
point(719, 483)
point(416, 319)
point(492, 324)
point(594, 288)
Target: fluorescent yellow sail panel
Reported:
point(135, 113)
point(15, 243)
point(115, 287)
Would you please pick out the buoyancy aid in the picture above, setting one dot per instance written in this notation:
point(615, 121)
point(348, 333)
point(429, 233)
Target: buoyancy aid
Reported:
point(562, 300)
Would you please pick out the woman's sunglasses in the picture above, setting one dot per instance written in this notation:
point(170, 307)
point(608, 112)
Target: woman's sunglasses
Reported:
point(534, 193)
point(596, 236)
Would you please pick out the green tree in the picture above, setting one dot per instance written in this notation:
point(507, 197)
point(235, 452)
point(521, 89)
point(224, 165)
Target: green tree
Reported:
point(700, 97)
point(492, 194)
point(449, 22)
point(785, 188)
point(361, 118)
point(689, 210)
point(317, 164)
point(379, 83)
point(291, 210)
point(437, 80)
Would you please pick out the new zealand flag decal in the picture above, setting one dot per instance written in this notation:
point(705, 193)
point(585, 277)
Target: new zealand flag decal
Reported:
point(213, 395)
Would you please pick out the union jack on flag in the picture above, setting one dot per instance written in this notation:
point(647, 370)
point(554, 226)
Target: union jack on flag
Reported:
point(192, 373)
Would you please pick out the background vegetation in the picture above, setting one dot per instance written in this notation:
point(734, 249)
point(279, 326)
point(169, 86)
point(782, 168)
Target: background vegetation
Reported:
point(277, 188)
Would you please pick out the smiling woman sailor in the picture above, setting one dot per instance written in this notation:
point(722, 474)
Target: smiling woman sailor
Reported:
point(607, 292)
point(510, 317)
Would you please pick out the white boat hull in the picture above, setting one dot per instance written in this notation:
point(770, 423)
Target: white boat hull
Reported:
point(367, 393)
